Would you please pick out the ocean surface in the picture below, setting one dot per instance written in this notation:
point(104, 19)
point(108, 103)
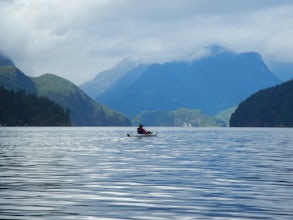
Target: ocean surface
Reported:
point(183, 173)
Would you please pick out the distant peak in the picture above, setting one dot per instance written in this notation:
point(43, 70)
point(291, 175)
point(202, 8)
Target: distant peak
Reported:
point(217, 49)
point(126, 63)
point(5, 60)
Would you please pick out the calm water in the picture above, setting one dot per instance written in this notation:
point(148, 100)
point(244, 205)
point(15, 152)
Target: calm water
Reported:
point(183, 173)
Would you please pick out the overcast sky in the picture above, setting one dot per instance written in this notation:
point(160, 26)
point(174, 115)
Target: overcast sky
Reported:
point(77, 39)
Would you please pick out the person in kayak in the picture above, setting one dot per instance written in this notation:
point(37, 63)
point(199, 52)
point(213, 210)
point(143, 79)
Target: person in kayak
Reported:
point(141, 130)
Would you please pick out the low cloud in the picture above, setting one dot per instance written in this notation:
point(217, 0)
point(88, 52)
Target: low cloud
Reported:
point(77, 40)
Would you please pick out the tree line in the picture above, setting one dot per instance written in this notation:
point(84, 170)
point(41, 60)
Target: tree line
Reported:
point(20, 109)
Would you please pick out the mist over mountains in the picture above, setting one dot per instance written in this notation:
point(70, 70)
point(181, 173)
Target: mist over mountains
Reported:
point(211, 84)
point(203, 88)
point(107, 78)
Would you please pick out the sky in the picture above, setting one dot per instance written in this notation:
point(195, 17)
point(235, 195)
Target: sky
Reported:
point(77, 39)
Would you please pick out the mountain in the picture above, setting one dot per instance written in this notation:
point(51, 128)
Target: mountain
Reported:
point(84, 110)
point(108, 78)
point(5, 61)
point(283, 70)
point(211, 84)
point(272, 107)
point(21, 109)
point(13, 79)
point(179, 118)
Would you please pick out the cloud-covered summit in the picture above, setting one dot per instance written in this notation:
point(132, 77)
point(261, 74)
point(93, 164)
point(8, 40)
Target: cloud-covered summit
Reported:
point(79, 38)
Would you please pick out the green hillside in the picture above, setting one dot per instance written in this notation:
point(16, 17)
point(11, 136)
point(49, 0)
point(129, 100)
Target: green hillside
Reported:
point(13, 78)
point(272, 107)
point(181, 118)
point(226, 115)
point(84, 111)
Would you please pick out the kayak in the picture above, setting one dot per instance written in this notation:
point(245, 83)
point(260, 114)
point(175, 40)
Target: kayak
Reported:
point(142, 135)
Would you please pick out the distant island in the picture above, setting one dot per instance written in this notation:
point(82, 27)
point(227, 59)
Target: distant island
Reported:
point(179, 118)
point(21, 109)
point(272, 107)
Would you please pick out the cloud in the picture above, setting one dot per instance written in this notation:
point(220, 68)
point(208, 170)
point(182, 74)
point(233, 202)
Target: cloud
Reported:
point(77, 40)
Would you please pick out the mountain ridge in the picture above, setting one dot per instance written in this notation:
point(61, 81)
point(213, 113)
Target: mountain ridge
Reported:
point(84, 110)
point(5, 60)
point(107, 78)
point(14, 79)
point(271, 107)
point(211, 84)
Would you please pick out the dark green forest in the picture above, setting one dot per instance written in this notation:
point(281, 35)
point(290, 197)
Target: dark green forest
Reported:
point(272, 107)
point(21, 109)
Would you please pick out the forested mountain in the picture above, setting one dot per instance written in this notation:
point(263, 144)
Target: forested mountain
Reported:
point(180, 118)
point(84, 110)
point(13, 78)
point(272, 107)
point(211, 84)
point(21, 109)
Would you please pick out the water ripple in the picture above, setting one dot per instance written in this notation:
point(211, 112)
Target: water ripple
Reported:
point(184, 173)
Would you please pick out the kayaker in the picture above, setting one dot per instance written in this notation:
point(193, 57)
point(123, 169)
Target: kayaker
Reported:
point(141, 130)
